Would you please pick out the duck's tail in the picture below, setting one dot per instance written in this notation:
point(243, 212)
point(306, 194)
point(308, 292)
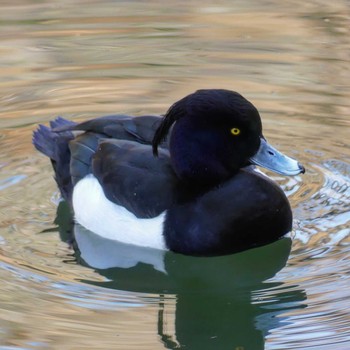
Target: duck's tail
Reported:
point(55, 145)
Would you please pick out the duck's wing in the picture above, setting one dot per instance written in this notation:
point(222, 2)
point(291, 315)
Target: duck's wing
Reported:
point(132, 177)
point(121, 127)
point(91, 133)
point(71, 146)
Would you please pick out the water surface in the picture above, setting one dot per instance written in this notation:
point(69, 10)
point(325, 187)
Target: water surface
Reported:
point(89, 58)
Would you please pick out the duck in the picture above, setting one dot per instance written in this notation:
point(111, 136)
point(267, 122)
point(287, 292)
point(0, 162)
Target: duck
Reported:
point(186, 181)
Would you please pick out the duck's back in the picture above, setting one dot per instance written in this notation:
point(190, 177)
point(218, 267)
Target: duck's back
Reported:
point(71, 146)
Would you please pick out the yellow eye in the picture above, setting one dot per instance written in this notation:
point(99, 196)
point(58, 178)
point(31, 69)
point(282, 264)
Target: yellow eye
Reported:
point(235, 131)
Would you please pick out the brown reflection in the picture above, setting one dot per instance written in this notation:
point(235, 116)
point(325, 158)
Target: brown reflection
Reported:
point(87, 58)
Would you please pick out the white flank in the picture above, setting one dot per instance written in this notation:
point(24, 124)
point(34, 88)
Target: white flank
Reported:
point(98, 214)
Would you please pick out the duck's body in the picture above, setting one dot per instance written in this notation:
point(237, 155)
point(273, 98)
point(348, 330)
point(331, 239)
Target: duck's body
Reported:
point(194, 194)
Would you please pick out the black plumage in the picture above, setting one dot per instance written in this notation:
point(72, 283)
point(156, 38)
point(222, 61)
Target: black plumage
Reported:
point(194, 164)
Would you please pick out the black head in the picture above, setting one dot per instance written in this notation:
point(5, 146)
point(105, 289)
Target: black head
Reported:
point(215, 134)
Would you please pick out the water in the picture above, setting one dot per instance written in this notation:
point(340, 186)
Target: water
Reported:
point(90, 58)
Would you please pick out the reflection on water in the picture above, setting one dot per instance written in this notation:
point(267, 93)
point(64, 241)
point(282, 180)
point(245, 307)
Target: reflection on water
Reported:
point(91, 58)
point(213, 302)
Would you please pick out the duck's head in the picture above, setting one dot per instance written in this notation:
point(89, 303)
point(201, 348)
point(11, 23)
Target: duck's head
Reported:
point(217, 132)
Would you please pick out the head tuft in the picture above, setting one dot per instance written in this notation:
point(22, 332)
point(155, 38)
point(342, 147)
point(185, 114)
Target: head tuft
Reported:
point(174, 113)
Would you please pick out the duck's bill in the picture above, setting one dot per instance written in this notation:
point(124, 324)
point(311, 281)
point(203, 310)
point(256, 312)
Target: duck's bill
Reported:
point(270, 158)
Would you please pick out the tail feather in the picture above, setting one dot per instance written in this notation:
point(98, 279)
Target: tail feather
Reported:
point(60, 122)
point(56, 146)
point(44, 141)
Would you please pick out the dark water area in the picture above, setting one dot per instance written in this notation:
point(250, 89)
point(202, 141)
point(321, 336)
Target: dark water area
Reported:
point(84, 59)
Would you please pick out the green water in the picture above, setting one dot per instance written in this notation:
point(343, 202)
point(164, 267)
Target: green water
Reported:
point(88, 58)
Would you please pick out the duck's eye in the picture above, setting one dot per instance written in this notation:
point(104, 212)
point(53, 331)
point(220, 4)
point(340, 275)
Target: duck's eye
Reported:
point(235, 131)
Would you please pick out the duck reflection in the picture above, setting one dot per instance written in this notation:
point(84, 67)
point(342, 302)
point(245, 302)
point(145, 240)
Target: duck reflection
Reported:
point(218, 299)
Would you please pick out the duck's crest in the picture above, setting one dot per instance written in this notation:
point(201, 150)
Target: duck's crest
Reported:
point(174, 113)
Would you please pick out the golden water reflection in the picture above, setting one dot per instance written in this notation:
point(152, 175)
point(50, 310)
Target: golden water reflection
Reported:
point(90, 58)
